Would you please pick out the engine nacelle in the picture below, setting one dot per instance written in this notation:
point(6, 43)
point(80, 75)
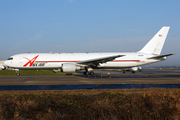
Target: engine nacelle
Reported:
point(3, 67)
point(134, 69)
point(68, 67)
point(139, 68)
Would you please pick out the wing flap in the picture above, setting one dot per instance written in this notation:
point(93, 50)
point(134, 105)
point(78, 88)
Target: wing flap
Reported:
point(96, 61)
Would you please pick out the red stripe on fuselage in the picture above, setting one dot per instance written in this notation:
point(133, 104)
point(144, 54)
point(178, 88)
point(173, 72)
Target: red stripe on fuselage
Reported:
point(60, 61)
point(80, 61)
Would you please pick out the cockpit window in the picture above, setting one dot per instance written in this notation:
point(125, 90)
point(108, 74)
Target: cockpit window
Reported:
point(10, 59)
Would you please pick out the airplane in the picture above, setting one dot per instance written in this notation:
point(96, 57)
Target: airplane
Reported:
point(72, 62)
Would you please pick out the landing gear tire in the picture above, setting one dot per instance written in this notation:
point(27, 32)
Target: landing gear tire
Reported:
point(91, 73)
point(85, 73)
point(18, 74)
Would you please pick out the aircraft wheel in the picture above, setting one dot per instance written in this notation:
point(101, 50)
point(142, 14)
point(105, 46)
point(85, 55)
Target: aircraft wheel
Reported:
point(91, 73)
point(18, 74)
point(85, 73)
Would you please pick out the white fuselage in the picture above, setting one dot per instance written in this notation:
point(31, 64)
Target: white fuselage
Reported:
point(55, 60)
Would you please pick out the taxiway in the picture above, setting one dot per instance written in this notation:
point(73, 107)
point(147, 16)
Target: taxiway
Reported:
point(115, 78)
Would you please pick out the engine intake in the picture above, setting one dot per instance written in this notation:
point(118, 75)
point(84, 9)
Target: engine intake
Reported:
point(3, 67)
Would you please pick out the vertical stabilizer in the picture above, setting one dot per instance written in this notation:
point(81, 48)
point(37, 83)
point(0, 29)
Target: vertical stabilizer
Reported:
point(155, 45)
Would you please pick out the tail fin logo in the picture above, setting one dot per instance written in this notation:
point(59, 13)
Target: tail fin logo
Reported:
point(30, 62)
point(160, 35)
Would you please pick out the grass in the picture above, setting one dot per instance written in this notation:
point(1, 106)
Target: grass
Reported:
point(7, 72)
point(91, 104)
point(30, 72)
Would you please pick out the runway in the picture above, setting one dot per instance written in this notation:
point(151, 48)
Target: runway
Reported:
point(115, 78)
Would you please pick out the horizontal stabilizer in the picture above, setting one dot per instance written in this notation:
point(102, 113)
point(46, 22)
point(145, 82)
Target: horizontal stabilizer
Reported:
point(161, 56)
point(99, 60)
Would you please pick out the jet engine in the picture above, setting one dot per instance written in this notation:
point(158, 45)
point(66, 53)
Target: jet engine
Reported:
point(69, 67)
point(3, 67)
point(134, 68)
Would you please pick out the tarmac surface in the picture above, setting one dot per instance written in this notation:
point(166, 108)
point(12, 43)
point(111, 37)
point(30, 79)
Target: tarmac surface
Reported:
point(115, 77)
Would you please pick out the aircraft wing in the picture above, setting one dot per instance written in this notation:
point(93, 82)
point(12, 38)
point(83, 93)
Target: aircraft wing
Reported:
point(160, 56)
point(95, 62)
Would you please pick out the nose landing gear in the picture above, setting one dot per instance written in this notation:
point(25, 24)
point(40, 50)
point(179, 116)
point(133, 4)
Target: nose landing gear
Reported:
point(17, 72)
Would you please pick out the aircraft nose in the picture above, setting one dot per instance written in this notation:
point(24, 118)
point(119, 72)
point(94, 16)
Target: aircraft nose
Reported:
point(6, 63)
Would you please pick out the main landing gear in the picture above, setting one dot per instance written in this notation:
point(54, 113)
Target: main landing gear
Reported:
point(89, 71)
point(124, 71)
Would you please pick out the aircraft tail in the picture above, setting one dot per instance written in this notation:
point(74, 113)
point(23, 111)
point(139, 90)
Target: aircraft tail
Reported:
point(155, 45)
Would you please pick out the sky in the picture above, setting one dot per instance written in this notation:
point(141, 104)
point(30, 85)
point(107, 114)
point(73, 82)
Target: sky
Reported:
point(87, 26)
